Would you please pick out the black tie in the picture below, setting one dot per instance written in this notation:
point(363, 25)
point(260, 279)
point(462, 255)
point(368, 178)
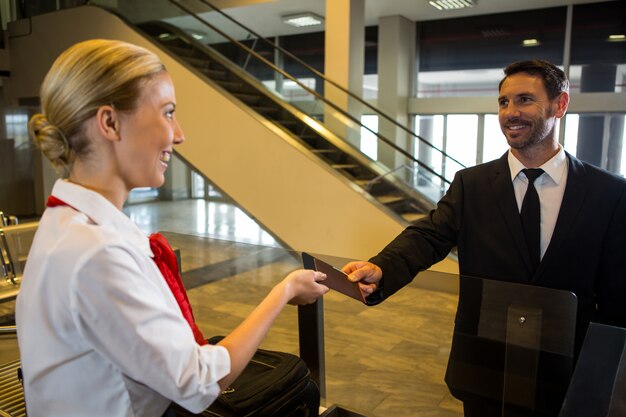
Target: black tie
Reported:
point(531, 216)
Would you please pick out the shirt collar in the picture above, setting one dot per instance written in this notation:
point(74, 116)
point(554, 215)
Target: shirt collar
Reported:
point(554, 167)
point(101, 212)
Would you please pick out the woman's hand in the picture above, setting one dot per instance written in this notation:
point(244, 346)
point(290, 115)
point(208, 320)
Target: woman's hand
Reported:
point(304, 286)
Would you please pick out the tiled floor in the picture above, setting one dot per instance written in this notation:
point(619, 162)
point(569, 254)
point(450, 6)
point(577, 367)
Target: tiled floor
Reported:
point(383, 361)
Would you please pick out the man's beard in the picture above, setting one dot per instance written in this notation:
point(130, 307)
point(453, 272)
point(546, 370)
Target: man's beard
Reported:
point(538, 132)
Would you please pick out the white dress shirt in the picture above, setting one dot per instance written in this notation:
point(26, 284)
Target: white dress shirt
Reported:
point(550, 188)
point(99, 331)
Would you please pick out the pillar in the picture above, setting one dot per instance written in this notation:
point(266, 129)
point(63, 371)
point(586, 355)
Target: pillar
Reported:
point(396, 84)
point(344, 60)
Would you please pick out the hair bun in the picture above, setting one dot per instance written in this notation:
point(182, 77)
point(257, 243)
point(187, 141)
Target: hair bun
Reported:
point(52, 142)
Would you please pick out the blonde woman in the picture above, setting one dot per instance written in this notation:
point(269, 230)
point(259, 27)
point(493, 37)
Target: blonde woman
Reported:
point(103, 329)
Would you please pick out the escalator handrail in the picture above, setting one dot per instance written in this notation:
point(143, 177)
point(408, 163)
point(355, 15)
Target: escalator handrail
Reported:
point(185, 37)
point(313, 92)
point(330, 81)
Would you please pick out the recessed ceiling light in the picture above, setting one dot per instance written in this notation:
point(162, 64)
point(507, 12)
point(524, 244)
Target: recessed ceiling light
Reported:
point(303, 19)
point(617, 38)
point(530, 42)
point(452, 4)
point(196, 34)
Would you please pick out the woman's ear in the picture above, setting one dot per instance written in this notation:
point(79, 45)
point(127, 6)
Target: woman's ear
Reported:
point(108, 122)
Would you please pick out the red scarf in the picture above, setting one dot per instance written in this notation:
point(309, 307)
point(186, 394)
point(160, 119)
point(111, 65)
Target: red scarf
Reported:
point(165, 260)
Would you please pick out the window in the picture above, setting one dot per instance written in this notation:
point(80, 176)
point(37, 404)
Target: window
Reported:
point(461, 138)
point(369, 141)
point(291, 91)
point(465, 56)
point(598, 52)
point(455, 135)
point(494, 142)
point(598, 139)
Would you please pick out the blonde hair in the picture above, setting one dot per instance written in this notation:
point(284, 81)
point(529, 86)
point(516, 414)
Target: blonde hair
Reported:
point(86, 76)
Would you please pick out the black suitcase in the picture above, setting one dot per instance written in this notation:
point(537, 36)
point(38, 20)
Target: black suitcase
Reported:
point(272, 384)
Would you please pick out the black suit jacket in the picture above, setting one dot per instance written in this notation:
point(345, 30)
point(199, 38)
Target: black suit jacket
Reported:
point(479, 215)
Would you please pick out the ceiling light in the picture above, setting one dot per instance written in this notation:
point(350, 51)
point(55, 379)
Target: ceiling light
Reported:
point(452, 4)
point(196, 34)
point(303, 19)
point(530, 42)
point(617, 38)
point(166, 36)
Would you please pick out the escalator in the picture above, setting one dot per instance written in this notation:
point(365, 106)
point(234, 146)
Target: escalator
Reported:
point(290, 164)
point(242, 61)
point(403, 201)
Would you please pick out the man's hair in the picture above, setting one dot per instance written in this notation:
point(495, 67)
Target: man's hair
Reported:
point(554, 79)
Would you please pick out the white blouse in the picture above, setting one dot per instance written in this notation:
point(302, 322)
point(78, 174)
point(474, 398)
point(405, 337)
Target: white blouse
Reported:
point(99, 331)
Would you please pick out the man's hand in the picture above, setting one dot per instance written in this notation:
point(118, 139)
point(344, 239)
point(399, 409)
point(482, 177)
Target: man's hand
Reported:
point(365, 273)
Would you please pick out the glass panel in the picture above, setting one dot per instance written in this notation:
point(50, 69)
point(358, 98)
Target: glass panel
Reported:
point(465, 56)
point(369, 145)
point(571, 133)
point(459, 83)
point(214, 193)
point(597, 139)
point(17, 183)
point(142, 195)
point(16, 241)
point(431, 129)
point(597, 78)
point(201, 188)
point(598, 52)
point(504, 332)
point(293, 91)
point(197, 186)
point(370, 86)
point(623, 165)
point(603, 380)
point(494, 142)
point(461, 139)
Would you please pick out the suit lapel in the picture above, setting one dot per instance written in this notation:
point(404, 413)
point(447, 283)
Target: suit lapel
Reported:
point(505, 196)
point(573, 199)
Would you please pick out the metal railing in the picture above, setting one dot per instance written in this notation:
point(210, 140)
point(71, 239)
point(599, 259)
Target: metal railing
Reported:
point(345, 118)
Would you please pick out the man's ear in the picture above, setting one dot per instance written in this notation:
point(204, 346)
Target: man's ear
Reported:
point(108, 122)
point(562, 101)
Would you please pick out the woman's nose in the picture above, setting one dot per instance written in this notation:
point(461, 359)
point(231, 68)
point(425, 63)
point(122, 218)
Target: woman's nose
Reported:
point(179, 136)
